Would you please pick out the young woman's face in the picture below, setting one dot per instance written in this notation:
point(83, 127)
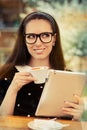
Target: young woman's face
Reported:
point(39, 46)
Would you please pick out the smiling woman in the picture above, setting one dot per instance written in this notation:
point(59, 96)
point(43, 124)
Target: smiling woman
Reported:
point(38, 44)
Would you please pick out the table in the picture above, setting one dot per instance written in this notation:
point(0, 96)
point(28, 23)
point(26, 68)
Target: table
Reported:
point(20, 123)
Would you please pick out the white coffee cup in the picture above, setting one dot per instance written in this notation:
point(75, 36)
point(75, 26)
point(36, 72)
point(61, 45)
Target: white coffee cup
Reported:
point(40, 73)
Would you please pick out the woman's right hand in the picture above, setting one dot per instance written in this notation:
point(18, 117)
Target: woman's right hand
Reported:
point(20, 79)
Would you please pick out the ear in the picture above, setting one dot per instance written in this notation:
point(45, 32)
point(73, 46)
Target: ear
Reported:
point(53, 44)
point(54, 39)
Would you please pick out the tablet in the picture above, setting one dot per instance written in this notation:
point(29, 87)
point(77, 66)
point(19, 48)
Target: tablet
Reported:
point(60, 86)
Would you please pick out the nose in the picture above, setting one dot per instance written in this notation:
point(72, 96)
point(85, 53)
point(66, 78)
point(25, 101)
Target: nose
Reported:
point(38, 42)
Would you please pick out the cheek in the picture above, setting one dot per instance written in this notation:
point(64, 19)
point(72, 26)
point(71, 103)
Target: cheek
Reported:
point(29, 48)
point(49, 49)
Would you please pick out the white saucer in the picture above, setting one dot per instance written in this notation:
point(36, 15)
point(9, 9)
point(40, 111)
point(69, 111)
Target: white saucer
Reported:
point(39, 124)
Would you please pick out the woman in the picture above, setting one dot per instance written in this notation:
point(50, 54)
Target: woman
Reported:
point(37, 44)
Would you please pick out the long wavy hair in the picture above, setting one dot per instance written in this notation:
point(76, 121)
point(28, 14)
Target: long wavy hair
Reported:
point(21, 55)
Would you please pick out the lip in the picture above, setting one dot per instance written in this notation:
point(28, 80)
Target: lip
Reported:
point(39, 50)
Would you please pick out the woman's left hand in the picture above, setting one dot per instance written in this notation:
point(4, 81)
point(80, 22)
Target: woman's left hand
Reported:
point(74, 109)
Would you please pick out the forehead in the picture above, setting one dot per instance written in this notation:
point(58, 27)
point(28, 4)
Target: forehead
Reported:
point(38, 25)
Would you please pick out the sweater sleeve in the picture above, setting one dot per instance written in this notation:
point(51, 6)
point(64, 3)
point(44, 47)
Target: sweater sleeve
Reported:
point(4, 84)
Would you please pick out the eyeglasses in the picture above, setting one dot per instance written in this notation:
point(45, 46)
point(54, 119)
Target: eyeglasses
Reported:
point(44, 37)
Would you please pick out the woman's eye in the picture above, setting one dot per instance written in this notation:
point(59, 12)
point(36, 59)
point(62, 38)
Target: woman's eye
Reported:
point(31, 36)
point(45, 35)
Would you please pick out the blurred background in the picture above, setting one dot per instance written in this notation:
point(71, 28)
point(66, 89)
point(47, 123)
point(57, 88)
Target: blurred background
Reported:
point(71, 16)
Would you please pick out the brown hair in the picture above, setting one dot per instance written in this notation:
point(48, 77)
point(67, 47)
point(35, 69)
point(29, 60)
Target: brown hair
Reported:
point(20, 54)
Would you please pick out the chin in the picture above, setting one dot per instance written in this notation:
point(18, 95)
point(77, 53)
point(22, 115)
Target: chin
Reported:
point(41, 58)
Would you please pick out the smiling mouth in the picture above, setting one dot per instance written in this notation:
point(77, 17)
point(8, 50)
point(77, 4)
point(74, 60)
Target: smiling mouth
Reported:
point(39, 50)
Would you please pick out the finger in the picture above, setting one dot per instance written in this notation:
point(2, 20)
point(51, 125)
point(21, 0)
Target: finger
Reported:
point(24, 76)
point(79, 99)
point(27, 78)
point(72, 112)
point(22, 73)
point(71, 105)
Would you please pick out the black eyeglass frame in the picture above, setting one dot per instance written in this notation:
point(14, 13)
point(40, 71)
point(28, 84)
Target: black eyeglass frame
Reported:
point(39, 35)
